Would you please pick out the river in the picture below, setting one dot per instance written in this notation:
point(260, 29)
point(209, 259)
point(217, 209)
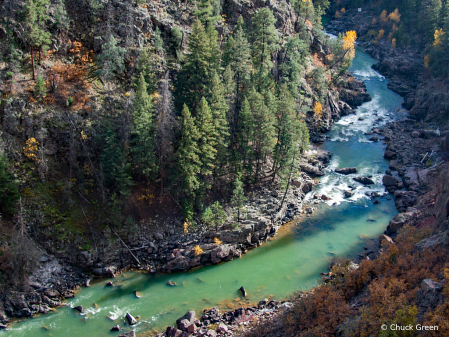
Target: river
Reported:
point(292, 261)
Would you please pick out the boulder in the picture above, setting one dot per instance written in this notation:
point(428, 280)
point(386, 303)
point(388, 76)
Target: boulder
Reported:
point(349, 193)
point(171, 283)
point(190, 316)
point(116, 328)
point(394, 165)
point(404, 199)
point(390, 154)
point(385, 239)
point(243, 291)
point(109, 284)
point(307, 186)
point(374, 139)
point(388, 180)
point(131, 319)
point(312, 170)
point(397, 222)
point(429, 295)
point(416, 134)
point(346, 170)
point(173, 332)
point(131, 333)
point(79, 308)
point(222, 328)
point(429, 134)
point(185, 325)
point(364, 180)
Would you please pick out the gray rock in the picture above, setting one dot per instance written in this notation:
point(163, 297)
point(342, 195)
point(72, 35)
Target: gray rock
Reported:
point(349, 193)
point(346, 170)
point(116, 328)
point(222, 328)
point(159, 236)
point(190, 316)
point(79, 308)
point(388, 180)
point(385, 238)
point(131, 333)
point(243, 291)
point(390, 154)
point(364, 180)
point(131, 319)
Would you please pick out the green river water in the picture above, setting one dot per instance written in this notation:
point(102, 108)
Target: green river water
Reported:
point(292, 261)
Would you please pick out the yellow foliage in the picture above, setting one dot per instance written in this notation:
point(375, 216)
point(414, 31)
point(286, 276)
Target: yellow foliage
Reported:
point(146, 196)
point(343, 11)
point(393, 43)
point(383, 16)
point(30, 148)
point(374, 21)
point(127, 94)
point(337, 14)
point(349, 43)
point(155, 95)
point(437, 35)
point(395, 16)
point(381, 34)
point(218, 242)
point(186, 225)
point(83, 135)
point(309, 24)
point(426, 61)
point(318, 110)
point(198, 251)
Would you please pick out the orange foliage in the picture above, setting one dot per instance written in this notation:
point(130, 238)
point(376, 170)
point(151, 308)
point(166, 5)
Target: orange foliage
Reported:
point(395, 16)
point(70, 79)
point(317, 62)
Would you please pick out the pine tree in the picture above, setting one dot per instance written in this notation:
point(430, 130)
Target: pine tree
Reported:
point(60, 15)
point(293, 62)
point(244, 152)
point(208, 136)
point(188, 155)
point(176, 39)
point(263, 129)
point(219, 109)
point(241, 25)
point(37, 35)
point(228, 52)
point(144, 65)
point(40, 90)
point(111, 60)
point(265, 39)
point(142, 144)
point(286, 128)
point(114, 165)
point(166, 124)
point(9, 192)
point(206, 12)
point(238, 198)
point(158, 43)
point(432, 18)
point(202, 61)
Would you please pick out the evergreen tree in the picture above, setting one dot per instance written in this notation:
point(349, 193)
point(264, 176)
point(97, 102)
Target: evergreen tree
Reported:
point(432, 18)
point(111, 60)
point(166, 123)
point(228, 52)
point(208, 136)
point(214, 215)
point(202, 61)
point(241, 63)
point(40, 89)
point(286, 129)
point(114, 165)
point(144, 65)
point(176, 39)
point(9, 192)
point(37, 35)
point(142, 144)
point(238, 198)
point(219, 109)
point(244, 153)
point(158, 43)
point(60, 15)
point(206, 12)
point(241, 25)
point(293, 62)
point(188, 160)
point(265, 39)
point(263, 130)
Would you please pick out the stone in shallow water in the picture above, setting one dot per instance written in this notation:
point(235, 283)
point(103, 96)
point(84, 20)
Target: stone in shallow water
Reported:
point(131, 319)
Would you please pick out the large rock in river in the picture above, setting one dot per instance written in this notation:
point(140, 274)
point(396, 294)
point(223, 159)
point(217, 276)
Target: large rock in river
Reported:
point(346, 170)
point(388, 181)
point(364, 180)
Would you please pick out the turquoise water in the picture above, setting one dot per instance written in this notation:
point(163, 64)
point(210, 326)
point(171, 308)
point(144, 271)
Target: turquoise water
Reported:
point(292, 261)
